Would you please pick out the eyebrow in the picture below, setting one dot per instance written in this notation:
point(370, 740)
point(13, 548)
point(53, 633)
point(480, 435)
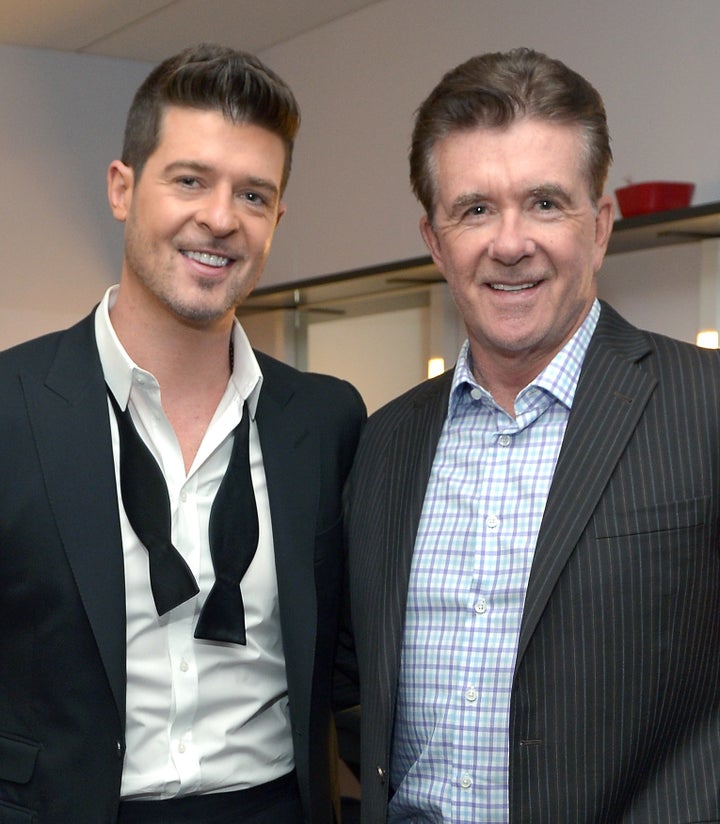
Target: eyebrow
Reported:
point(546, 190)
point(464, 201)
point(551, 190)
point(205, 168)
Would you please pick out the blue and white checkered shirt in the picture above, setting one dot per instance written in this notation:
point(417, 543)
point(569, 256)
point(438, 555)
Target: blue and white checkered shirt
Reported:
point(475, 544)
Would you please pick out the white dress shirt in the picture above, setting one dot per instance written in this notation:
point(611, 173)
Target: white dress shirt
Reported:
point(202, 716)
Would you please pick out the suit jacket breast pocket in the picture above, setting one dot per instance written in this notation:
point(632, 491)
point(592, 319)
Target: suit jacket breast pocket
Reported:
point(669, 516)
point(660, 552)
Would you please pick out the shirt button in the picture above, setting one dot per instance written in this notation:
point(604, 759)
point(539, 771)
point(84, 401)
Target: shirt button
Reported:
point(504, 440)
point(181, 747)
point(184, 666)
point(183, 496)
point(475, 394)
point(492, 522)
point(471, 694)
point(466, 782)
point(481, 606)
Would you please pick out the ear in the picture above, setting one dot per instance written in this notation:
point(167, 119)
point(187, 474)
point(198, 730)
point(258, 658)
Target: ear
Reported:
point(604, 220)
point(280, 212)
point(120, 181)
point(429, 235)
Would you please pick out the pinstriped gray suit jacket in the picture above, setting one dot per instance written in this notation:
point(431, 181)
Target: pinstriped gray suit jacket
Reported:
point(615, 713)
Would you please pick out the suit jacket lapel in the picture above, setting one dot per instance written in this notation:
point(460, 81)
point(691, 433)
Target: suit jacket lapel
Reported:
point(410, 456)
point(611, 396)
point(293, 482)
point(69, 417)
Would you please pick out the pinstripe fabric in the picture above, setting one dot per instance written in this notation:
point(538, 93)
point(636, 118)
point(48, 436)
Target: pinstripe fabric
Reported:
point(615, 714)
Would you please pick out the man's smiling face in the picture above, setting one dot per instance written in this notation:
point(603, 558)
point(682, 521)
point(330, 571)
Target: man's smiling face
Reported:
point(201, 216)
point(517, 236)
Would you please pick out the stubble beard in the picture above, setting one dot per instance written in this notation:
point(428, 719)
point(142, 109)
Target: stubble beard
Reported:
point(161, 282)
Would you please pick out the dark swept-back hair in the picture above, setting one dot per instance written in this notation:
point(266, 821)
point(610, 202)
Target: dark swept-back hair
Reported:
point(211, 77)
point(493, 90)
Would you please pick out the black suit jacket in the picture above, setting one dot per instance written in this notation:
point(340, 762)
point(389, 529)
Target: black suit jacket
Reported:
point(615, 709)
point(62, 598)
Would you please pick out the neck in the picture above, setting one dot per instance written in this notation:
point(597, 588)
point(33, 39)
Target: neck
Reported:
point(504, 379)
point(181, 355)
point(192, 367)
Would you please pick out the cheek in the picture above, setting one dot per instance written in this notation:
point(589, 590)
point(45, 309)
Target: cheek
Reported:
point(461, 263)
point(259, 236)
point(574, 258)
point(465, 292)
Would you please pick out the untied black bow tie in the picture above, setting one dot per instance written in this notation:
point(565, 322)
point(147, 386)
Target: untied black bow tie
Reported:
point(233, 530)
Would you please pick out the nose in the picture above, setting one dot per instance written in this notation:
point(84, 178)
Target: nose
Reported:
point(218, 213)
point(511, 242)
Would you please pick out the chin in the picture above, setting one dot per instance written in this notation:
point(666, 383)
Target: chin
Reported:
point(201, 313)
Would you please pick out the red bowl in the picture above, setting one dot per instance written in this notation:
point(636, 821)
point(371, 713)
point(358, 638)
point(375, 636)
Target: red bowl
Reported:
point(657, 196)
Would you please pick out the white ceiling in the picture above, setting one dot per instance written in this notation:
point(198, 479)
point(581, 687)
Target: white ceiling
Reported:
point(154, 29)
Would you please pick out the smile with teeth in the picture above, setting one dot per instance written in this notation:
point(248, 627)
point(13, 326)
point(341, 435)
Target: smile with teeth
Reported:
point(512, 287)
point(208, 259)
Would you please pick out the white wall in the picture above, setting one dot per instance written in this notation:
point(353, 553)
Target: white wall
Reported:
point(382, 354)
point(656, 289)
point(358, 80)
point(62, 122)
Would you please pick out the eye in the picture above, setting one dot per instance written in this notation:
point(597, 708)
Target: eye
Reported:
point(255, 197)
point(258, 200)
point(476, 211)
point(188, 182)
point(545, 204)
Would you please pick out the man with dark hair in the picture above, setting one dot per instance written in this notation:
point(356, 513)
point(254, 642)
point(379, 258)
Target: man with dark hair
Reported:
point(212, 77)
point(170, 519)
point(533, 537)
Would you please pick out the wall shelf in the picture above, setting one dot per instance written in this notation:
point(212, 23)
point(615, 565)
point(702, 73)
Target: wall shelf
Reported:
point(334, 293)
point(688, 225)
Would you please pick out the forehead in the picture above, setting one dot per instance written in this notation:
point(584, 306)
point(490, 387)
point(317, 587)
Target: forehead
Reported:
point(527, 148)
point(197, 133)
